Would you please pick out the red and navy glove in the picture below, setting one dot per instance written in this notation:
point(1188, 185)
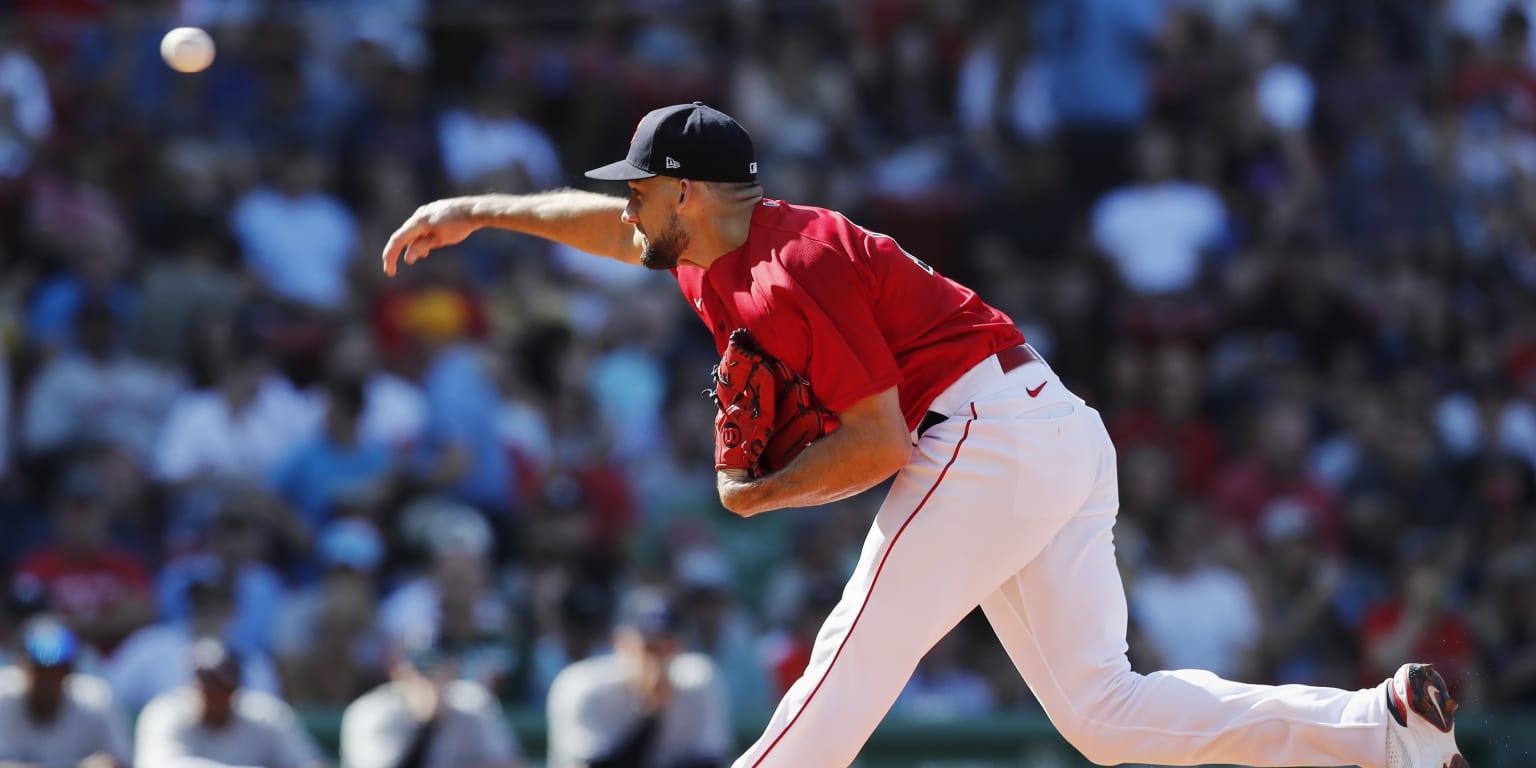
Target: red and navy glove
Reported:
point(766, 413)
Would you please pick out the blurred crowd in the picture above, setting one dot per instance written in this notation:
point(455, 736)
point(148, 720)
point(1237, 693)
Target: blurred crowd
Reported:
point(1287, 247)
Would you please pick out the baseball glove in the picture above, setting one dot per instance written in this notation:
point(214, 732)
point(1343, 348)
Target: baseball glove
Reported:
point(766, 413)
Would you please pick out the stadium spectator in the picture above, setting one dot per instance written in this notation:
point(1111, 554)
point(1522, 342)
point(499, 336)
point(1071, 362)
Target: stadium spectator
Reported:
point(294, 235)
point(647, 704)
point(786, 650)
point(1507, 627)
point(242, 418)
point(1195, 614)
point(215, 722)
point(6, 415)
point(487, 143)
point(96, 394)
point(327, 644)
point(191, 282)
point(427, 715)
point(717, 625)
point(27, 114)
point(1422, 618)
point(456, 597)
point(1099, 55)
point(338, 464)
point(1161, 230)
point(237, 542)
point(94, 267)
point(462, 398)
point(1306, 638)
point(582, 630)
point(145, 667)
point(52, 715)
point(1166, 412)
point(1274, 468)
point(102, 590)
point(942, 689)
point(394, 406)
point(817, 559)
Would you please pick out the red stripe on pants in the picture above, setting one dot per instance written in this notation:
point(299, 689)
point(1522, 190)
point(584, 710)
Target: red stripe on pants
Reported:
point(872, 582)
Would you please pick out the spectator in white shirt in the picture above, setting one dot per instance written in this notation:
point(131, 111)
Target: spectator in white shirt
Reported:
point(394, 407)
point(214, 723)
point(242, 423)
point(51, 715)
point(1158, 231)
point(97, 394)
point(26, 109)
point(1196, 614)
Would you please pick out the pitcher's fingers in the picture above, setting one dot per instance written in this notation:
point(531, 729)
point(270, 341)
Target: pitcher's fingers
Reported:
point(406, 233)
point(419, 248)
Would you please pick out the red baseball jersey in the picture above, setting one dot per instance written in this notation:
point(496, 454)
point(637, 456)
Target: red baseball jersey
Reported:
point(846, 308)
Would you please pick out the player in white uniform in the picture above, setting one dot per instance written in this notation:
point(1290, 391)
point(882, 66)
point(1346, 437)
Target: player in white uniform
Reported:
point(50, 714)
point(646, 705)
point(1005, 491)
point(214, 723)
point(427, 716)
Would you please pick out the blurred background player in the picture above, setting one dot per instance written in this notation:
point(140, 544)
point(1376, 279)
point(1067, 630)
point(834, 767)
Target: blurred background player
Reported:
point(426, 716)
point(214, 722)
point(51, 715)
point(139, 670)
point(646, 705)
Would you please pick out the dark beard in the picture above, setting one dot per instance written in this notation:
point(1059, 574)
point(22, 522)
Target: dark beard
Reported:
point(663, 252)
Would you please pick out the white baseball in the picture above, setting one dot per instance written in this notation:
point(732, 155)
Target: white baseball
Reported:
point(187, 49)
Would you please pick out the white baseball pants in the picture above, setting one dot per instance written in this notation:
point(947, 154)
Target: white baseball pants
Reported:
point(1009, 504)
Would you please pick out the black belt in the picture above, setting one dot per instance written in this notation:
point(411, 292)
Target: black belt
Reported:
point(1008, 359)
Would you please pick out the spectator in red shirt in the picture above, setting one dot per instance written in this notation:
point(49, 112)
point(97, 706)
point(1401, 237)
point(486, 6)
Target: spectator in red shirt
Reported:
point(1499, 76)
point(1420, 623)
point(1274, 469)
point(101, 589)
point(1172, 420)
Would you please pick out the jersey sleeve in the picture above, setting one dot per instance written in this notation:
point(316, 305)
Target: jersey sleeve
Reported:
point(103, 729)
point(294, 746)
point(572, 739)
point(156, 741)
point(849, 358)
point(370, 737)
point(715, 727)
point(498, 746)
point(114, 735)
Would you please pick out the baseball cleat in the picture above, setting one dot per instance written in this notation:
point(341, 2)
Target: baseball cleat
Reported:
point(1422, 733)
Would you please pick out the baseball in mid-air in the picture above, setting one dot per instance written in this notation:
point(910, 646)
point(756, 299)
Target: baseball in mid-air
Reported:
point(187, 49)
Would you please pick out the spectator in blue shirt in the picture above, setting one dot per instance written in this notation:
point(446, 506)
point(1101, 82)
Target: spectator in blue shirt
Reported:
point(1099, 55)
point(337, 462)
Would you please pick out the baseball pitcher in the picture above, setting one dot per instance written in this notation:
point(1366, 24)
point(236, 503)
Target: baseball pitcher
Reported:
point(859, 362)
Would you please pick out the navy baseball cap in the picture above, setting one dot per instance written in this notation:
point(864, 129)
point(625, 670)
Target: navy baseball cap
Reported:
point(650, 613)
point(685, 141)
point(213, 661)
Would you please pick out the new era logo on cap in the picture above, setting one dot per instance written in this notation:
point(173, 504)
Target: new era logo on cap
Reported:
point(707, 142)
